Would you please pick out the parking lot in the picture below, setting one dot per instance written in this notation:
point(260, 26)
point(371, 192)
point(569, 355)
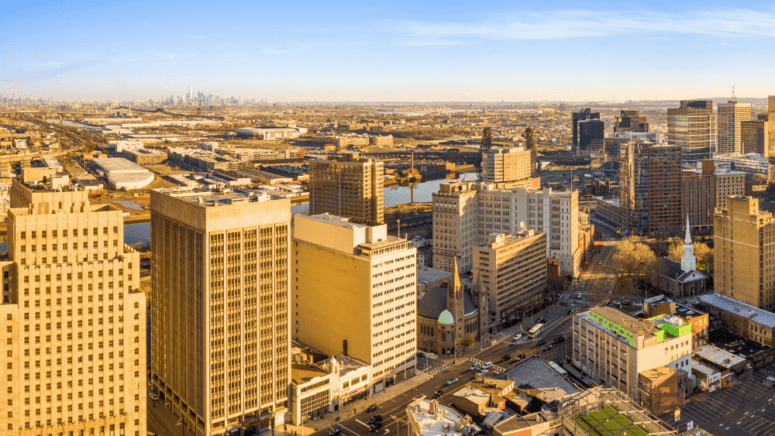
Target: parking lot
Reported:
point(747, 408)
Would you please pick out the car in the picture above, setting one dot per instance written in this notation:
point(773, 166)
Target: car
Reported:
point(437, 394)
point(474, 367)
point(375, 418)
point(376, 427)
point(154, 396)
point(506, 357)
point(541, 342)
point(421, 355)
point(336, 430)
point(371, 408)
point(601, 262)
point(482, 372)
point(559, 339)
point(547, 348)
point(451, 381)
point(419, 396)
point(518, 336)
point(486, 365)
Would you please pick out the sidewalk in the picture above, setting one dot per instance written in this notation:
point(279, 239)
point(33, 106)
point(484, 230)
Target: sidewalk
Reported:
point(358, 406)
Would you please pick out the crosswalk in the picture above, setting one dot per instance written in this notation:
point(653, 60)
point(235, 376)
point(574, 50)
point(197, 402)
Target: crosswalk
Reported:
point(494, 369)
point(437, 369)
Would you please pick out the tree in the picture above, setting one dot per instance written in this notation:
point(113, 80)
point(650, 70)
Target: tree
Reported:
point(675, 250)
point(704, 256)
point(631, 257)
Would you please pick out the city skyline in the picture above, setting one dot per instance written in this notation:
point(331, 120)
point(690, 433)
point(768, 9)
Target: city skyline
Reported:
point(386, 52)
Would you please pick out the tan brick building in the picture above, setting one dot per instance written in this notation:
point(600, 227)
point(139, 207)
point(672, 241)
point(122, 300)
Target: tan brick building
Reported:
point(354, 293)
point(220, 348)
point(351, 188)
point(744, 252)
point(511, 271)
point(72, 320)
point(509, 167)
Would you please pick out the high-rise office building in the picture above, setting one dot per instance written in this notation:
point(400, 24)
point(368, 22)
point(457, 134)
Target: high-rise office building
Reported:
point(583, 114)
point(708, 190)
point(728, 184)
point(351, 188)
point(589, 131)
point(354, 289)
point(220, 345)
point(664, 192)
point(511, 270)
point(466, 213)
point(755, 137)
point(630, 121)
point(634, 185)
point(743, 252)
point(730, 115)
point(72, 319)
point(509, 167)
point(771, 122)
point(693, 127)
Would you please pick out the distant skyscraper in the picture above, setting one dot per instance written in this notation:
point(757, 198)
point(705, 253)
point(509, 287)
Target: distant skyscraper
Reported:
point(664, 175)
point(730, 115)
point(754, 137)
point(220, 344)
point(589, 131)
point(351, 188)
point(693, 127)
point(634, 185)
point(631, 121)
point(771, 126)
point(584, 114)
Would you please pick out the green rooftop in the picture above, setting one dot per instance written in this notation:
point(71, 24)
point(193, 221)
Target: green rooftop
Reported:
point(608, 421)
point(446, 318)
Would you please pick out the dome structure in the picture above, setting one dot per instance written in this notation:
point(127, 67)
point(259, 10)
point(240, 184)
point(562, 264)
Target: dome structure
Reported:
point(446, 318)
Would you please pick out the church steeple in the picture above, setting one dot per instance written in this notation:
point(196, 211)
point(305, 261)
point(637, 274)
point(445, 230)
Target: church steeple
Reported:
point(688, 261)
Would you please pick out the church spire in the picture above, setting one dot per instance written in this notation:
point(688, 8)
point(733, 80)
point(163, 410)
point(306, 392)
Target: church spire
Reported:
point(688, 238)
point(456, 277)
point(688, 261)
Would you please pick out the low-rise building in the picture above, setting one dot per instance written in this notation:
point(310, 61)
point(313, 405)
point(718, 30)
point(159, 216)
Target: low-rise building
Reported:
point(742, 318)
point(481, 395)
point(700, 322)
point(425, 417)
point(613, 347)
point(663, 389)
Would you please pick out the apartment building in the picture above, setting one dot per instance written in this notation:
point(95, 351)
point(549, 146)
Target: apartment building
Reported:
point(634, 186)
point(730, 115)
point(72, 319)
point(466, 213)
point(352, 188)
point(509, 167)
point(728, 184)
point(744, 252)
point(692, 126)
point(511, 272)
point(354, 293)
point(220, 347)
point(698, 191)
point(664, 189)
point(613, 347)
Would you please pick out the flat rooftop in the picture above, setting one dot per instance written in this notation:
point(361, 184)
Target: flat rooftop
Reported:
point(535, 373)
point(441, 423)
point(728, 304)
point(718, 356)
point(337, 221)
point(213, 198)
point(118, 165)
point(430, 275)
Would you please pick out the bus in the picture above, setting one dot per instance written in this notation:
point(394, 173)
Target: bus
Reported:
point(534, 331)
point(558, 368)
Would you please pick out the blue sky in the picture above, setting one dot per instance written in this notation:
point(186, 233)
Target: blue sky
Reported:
point(387, 51)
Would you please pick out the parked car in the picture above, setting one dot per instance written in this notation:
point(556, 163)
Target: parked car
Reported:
point(377, 426)
point(559, 339)
point(482, 372)
point(438, 394)
point(421, 355)
point(547, 348)
point(154, 396)
point(335, 431)
point(451, 381)
point(541, 342)
point(506, 357)
point(371, 408)
point(486, 365)
point(375, 418)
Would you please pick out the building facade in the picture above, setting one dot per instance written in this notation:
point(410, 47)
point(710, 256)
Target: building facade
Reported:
point(630, 121)
point(508, 167)
point(743, 252)
point(728, 184)
point(351, 188)
point(755, 137)
point(511, 271)
point(466, 213)
point(664, 191)
point(744, 319)
point(590, 131)
point(634, 186)
point(354, 293)
point(692, 126)
point(220, 348)
point(613, 347)
point(72, 319)
point(730, 115)
point(583, 114)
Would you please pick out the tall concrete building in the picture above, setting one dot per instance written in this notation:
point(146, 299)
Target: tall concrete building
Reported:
point(730, 115)
point(590, 131)
point(613, 347)
point(630, 121)
point(728, 184)
point(354, 293)
point(583, 114)
point(220, 346)
point(72, 319)
point(771, 122)
point(352, 188)
point(744, 252)
point(634, 185)
point(755, 137)
point(664, 191)
point(511, 271)
point(466, 213)
point(508, 168)
point(693, 127)
point(708, 190)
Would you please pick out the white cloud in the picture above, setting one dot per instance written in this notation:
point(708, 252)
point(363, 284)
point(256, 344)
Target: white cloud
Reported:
point(584, 23)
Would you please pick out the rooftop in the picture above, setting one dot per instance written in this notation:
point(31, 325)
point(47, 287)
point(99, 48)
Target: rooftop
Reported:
point(536, 373)
point(439, 420)
point(118, 165)
point(728, 304)
point(337, 221)
point(719, 357)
